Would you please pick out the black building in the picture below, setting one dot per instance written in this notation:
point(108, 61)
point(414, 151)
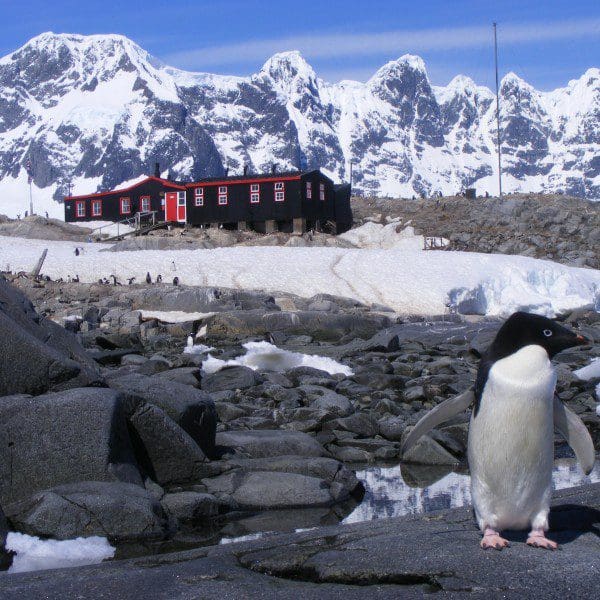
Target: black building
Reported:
point(291, 201)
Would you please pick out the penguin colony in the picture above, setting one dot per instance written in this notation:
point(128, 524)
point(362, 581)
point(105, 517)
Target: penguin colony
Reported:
point(511, 432)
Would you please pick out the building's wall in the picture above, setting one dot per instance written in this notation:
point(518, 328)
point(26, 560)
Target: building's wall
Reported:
point(314, 210)
point(239, 208)
point(111, 203)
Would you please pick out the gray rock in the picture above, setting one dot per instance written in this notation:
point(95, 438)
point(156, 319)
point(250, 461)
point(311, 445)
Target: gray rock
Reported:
point(63, 437)
point(230, 378)
point(392, 429)
point(359, 423)
point(119, 511)
point(270, 489)
point(268, 443)
point(351, 454)
point(191, 506)
point(184, 375)
point(429, 452)
point(133, 359)
point(36, 354)
point(193, 410)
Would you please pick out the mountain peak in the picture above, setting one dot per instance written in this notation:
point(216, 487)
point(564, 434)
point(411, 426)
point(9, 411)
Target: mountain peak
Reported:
point(288, 65)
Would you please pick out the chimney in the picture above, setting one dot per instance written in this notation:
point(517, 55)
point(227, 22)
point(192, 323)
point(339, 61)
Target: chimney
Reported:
point(274, 168)
point(245, 170)
point(156, 169)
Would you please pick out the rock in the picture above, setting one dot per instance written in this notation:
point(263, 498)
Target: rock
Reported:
point(350, 454)
point(36, 354)
point(228, 412)
point(263, 490)
point(193, 410)
point(392, 429)
point(230, 378)
point(428, 452)
point(167, 453)
point(359, 423)
point(119, 511)
point(63, 437)
point(184, 375)
point(269, 443)
point(191, 506)
point(133, 359)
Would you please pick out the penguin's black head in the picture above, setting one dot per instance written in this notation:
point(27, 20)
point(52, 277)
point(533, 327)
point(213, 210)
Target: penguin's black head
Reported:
point(524, 329)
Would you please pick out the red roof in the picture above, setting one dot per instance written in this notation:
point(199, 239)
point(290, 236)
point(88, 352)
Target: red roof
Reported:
point(165, 182)
point(242, 179)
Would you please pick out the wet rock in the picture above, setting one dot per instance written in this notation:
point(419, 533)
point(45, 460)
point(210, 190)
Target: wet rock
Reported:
point(429, 452)
point(119, 511)
point(268, 443)
point(191, 506)
point(230, 378)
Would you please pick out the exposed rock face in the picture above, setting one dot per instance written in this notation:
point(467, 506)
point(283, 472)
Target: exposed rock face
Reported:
point(404, 136)
point(36, 354)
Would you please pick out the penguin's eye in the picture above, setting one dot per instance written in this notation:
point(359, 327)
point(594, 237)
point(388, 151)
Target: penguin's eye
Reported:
point(547, 332)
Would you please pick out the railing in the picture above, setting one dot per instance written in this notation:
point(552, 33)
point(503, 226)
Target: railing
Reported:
point(434, 243)
point(137, 221)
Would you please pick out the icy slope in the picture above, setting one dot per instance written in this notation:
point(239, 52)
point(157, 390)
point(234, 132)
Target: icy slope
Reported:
point(408, 281)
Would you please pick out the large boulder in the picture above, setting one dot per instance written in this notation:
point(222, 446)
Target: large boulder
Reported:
point(36, 354)
point(230, 378)
point(119, 511)
point(263, 443)
point(192, 409)
point(60, 438)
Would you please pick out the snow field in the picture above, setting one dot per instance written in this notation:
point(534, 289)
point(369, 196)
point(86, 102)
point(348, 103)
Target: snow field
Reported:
point(407, 281)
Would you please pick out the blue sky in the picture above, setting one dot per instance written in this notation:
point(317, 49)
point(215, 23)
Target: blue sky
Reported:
point(547, 43)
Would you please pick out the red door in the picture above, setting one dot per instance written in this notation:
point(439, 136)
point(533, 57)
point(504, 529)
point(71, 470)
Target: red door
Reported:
point(175, 209)
point(171, 206)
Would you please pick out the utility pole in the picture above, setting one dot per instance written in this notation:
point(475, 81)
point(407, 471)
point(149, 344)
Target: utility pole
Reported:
point(498, 114)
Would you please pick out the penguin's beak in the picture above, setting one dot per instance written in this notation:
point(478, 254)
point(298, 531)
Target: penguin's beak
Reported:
point(582, 340)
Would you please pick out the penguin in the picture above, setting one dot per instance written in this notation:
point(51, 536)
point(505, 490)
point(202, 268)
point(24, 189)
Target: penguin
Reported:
point(148, 278)
point(130, 280)
point(511, 432)
point(159, 278)
point(175, 281)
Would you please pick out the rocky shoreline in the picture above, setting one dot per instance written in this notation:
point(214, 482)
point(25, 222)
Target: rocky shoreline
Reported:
point(151, 450)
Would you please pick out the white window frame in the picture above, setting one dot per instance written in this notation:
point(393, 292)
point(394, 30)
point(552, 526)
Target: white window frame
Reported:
point(145, 204)
point(254, 193)
point(96, 208)
point(322, 192)
point(180, 198)
point(125, 201)
point(199, 196)
point(279, 191)
point(79, 205)
point(309, 190)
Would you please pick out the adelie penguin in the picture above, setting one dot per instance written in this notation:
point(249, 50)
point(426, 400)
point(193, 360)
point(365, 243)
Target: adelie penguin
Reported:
point(511, 433)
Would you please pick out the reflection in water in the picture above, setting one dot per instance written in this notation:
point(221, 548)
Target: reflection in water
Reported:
point(391, 492)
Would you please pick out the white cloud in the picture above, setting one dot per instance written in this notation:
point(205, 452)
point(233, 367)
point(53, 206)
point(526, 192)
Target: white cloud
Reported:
point(335, 45)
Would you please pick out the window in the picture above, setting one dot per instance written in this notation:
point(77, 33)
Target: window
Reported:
point(308, 190)
point(279, 191)
point(180, 198)
point(199, 196)
point(96, 208)
point(222, 201)
point(254, 193)
point(80, 208)
point(162, 200)
point(125, 206)
point(322, 191)
point(145, 204)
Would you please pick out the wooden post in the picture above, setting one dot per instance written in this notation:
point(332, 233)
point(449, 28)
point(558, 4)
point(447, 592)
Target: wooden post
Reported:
point(36, 272)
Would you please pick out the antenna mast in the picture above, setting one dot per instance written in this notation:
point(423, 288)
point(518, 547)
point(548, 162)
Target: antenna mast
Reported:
point(498, 114)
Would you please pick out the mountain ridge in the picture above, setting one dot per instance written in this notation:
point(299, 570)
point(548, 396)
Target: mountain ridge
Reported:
point(99, 110)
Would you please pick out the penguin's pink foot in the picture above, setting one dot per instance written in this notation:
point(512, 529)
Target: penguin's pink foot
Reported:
point(492, 539)
point(538, 539)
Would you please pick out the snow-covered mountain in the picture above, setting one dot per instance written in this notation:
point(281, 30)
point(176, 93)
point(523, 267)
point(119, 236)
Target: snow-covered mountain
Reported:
point(98, 111)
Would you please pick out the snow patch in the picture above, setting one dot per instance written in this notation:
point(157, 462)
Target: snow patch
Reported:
point(267, 357)
point(34, 554)
point(174, 316)
point(591, 371)
point(392, 235)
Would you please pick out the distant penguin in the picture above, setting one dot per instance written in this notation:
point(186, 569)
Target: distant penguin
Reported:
point(173, 266)
point(76, 279)
point(115, 280)
point(148, 278)
point(511, 433)
point(159, 278)
point(76, 251)
point(131, 280)
point(175, 281)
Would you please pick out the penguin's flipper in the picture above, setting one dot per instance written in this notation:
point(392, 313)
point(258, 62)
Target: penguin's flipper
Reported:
point(572, 428)
point(442, 412)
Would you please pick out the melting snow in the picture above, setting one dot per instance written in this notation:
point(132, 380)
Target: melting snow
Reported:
point(34, 554)
point(265, 356)
point(591, 371)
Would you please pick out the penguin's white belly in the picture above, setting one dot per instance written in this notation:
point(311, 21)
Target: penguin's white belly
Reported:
point(511, 446)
